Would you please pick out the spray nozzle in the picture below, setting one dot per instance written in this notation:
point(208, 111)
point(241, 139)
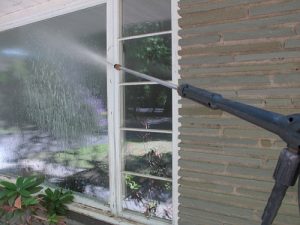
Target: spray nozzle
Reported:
point(117, 66)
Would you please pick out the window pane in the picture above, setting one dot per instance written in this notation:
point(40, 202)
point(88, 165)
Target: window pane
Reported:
point(148, 196)
point(150, 55)
point(53, 102)
point(146, 16)
point(148, 153)
point(148, 107)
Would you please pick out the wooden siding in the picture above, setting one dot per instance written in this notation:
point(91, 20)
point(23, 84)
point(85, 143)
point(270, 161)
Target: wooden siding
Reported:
point(247, 50)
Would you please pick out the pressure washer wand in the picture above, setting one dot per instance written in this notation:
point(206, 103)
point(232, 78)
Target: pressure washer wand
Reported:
point(147, 77)
point(286, 127)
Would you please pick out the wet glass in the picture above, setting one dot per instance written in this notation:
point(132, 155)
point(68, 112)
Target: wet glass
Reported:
point(145, 16)
point(148, 107)
point(151, 197)
point(150, 55)
point(53, 102)
point(148, 153)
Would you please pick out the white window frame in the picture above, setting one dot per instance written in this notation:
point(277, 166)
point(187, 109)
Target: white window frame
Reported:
point(87, 206)
point(117, 154)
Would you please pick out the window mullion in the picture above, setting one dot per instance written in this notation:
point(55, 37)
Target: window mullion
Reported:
point(175, 112)
point(114, 105)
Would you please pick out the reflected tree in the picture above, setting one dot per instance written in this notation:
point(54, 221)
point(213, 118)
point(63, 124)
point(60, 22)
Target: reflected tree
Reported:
point(151, 55)
point(45, 99)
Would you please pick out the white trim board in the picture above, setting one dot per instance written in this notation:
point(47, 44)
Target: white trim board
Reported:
point(43, 11)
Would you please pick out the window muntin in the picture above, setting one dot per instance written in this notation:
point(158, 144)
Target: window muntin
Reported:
point(53, 102)
point(145, 16)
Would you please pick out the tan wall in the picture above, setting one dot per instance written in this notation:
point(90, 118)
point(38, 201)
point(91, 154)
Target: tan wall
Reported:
point(247, 50)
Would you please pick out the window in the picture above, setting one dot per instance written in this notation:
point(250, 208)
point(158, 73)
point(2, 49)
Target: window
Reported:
point(65, 115)
point(53, 108)
point(146, 120)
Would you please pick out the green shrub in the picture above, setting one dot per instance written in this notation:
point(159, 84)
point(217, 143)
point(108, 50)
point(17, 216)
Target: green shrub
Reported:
point(21, 204)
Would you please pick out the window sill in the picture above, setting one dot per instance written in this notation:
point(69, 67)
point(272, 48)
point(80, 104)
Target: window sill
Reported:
point(80, 212)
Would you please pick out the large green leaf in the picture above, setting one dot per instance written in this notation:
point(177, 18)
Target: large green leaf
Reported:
point(29, 201)
point(11, 193)
point(49, 192)
point(24, 193)
point(35, 189)
point(28, 182)
point(8, 185)
point(32, 181)
point(3, 193)
point(20, 181)
point(56, 194)
point(39, 180)
point(67, 198)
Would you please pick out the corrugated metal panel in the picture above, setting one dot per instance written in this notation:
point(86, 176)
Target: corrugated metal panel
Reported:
point(247, 51)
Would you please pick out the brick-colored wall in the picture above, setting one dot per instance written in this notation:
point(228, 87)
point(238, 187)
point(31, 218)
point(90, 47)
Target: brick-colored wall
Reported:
point(247, 50)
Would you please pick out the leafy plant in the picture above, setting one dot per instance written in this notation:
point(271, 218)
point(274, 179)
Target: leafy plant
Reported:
point(133, 188)
point(17, 201)
point(131, 183)
point(21, 204)
point(55, 201)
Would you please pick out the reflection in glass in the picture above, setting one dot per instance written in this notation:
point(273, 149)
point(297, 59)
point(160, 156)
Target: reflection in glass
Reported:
point(150, 55)
point(145, 16)
point(148, 196)
point(148, 107)
point(148, 153)
point(53, 107)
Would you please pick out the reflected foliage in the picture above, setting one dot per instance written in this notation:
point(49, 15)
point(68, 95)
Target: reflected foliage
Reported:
point(150, 55)
point(148, 107)
point(11, 98)
point(153, 163)
point(149, 194)
point(46, 100)
point(98, 176)
point(146, 27)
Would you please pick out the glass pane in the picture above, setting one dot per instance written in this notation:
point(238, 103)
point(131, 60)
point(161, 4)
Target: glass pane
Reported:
point(148, 153)
point(146, 16)
point(150, 55)
point(148, 107)
point(53, 101)
point(148, 196)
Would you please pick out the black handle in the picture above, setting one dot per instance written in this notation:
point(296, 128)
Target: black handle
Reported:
point(285, 175)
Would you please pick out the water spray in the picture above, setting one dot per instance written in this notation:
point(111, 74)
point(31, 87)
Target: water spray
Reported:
point(286, 127)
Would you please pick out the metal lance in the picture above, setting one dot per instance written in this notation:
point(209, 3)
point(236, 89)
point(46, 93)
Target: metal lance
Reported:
point(287, 127)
